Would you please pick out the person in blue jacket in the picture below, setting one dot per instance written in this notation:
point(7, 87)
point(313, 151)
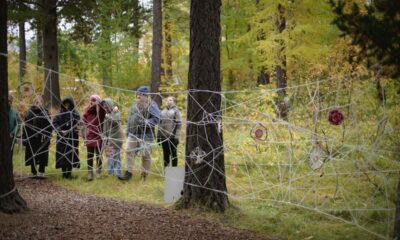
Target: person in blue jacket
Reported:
point(144, 116)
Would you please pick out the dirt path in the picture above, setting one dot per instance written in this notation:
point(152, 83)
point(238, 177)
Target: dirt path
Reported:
point(58, 213)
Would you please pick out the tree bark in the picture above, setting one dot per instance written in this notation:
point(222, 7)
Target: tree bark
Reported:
point(156, 52)
point(10, 200)
point(22, 50)
point(50, 54)
point(168, 45)
point(39, 42)
point(281, 78)
point(205, 184)
point(106, 65)
point(396, 234)
point(263, 75)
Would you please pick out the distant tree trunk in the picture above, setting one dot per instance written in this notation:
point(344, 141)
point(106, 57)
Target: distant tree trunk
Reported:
point(39, 42)
point(168, 45)
point(22, 50)
point(106, 66)
point(50, 54)
point(205, 184)
point(39, 36)
point(10, 200)
point(156, 53)
point(137, 29)
point(281, 78)
point(231, 76)
point(263, 75)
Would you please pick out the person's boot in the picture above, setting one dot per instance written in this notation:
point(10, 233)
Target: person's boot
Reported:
point(143, 176)
point(127, 176)
point(90, 175)
point(98, 173)
point(68, 175)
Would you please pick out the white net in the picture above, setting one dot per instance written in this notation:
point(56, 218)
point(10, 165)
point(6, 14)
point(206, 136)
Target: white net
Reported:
point(335, 155)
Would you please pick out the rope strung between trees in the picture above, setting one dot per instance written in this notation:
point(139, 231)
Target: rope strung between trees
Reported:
point(6, 194)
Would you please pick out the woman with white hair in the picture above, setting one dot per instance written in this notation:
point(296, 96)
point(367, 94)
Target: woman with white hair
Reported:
point(169, 131)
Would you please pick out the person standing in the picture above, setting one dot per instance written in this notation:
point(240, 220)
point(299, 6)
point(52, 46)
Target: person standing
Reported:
point(169, 131)
point(112, 137)
point(93, 118)
point(13, 123)
point(66, 124)
point(143, 118)
point(36, 137)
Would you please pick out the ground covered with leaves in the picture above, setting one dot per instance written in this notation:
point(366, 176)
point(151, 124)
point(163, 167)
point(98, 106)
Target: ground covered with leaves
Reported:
point(58, 213)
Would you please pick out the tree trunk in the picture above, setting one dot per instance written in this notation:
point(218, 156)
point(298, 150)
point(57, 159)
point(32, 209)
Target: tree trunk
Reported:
point(22, 50)
point(168, 45)
point(50, 54)
point(156, 53)
point(106, 66)
point(205, 184)
point(281, 79)
point(10, 200)
point(396, 233)
point(39, 42)
point(263, 75)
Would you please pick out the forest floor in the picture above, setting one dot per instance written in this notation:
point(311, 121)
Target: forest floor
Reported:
point(59, 213)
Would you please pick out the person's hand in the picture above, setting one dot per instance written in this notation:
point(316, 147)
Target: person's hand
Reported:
point(116, 109)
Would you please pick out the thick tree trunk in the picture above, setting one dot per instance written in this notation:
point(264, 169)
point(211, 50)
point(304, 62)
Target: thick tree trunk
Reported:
point(156, 53)
point(10, 200)
point(281, 78)
point(396, 234)
point(22, 50)
point(50, 54)
point(397, 218)
point(205, 184)
point(168, 45)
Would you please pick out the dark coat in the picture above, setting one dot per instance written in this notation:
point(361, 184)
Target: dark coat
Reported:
point(37, 135)
point(67, 148)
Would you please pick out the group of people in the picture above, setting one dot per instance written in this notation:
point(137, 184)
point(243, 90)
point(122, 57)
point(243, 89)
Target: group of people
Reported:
point(100, 126)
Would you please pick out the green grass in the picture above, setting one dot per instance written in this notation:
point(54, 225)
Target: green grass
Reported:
point(264, 212)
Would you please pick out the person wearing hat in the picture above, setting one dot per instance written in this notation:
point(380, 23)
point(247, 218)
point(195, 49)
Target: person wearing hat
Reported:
point(143, 118)
point(66, 124)
point(13, 122)
point(93, 118)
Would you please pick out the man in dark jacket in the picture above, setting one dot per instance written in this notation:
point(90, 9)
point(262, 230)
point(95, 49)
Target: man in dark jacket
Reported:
point(143, 118)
